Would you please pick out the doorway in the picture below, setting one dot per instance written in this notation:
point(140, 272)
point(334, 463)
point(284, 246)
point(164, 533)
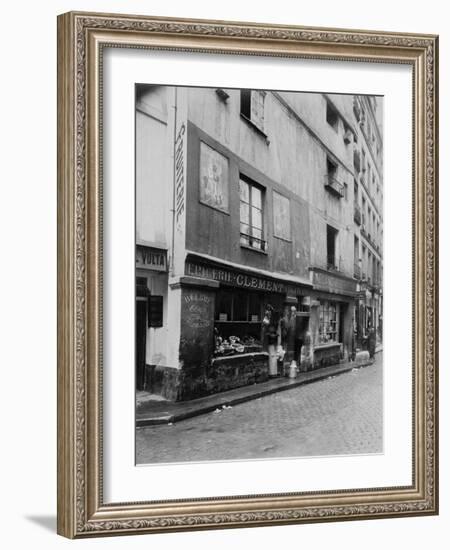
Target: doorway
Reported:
point(141, 337)
point(141, 331)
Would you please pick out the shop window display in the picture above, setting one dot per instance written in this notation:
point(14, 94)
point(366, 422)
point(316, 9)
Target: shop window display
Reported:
point(328, 329)
point(243, 322)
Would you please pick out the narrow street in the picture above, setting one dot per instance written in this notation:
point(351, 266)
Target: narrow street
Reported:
point(335, 416)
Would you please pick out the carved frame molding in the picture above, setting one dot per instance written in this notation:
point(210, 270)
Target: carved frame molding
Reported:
point(81, 37)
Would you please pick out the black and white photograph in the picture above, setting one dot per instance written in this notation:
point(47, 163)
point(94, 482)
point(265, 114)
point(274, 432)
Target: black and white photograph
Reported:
point(259, 268)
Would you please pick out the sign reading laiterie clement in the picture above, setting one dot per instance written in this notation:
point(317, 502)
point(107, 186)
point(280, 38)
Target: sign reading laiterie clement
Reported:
point(240, 279)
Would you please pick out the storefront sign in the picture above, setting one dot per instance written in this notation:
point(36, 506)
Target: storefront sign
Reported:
point(241, 280)
point(333, 284)
point(179, 176)
point(154, 259)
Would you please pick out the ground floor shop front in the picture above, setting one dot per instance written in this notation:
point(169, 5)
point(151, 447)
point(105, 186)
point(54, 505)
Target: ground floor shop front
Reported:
point(222, 327)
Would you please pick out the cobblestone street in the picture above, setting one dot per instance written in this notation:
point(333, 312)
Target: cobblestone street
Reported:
point(338, 415)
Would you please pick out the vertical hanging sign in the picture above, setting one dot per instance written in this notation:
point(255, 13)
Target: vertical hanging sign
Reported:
point(179, 175)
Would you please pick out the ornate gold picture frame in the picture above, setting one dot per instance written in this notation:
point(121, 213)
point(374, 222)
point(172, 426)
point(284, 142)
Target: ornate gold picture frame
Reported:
point(82, 40)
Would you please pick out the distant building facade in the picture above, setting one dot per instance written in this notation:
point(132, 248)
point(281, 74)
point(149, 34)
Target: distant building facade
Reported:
point(258, 227)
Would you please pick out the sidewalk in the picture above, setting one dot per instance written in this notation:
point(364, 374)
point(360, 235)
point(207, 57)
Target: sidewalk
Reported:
point(152, 412)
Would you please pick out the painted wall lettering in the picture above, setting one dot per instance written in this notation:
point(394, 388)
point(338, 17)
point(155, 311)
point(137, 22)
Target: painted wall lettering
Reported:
point(197, 310)
point(179, 176)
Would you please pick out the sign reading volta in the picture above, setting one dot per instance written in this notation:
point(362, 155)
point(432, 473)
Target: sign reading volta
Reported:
point(151, 258)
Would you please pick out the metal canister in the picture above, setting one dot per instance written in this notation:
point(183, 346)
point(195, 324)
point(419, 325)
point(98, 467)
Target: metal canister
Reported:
point(293, 370)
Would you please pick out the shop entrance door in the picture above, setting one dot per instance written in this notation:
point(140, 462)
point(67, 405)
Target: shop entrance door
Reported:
point(141, 337)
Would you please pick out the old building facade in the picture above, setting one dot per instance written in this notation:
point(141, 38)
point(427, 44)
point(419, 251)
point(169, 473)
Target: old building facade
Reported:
point(256, 211)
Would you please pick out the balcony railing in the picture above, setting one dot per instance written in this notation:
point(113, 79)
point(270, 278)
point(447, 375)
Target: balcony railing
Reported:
point(357, 214)
point(334, 186)
point(253, 242)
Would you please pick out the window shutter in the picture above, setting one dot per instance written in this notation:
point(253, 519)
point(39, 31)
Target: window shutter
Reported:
point(155, 311)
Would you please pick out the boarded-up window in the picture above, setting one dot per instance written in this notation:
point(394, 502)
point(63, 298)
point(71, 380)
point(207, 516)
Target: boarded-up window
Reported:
point(281, 216)
point(213, 178)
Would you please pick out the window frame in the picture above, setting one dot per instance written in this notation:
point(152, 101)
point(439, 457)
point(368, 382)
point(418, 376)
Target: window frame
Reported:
point(247, 113)
point(250, 237)
point(335, 232)
point(236, 295)
point(332, 111)
point(326, 308)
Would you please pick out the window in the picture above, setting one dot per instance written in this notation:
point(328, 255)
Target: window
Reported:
point(332, 184)
point(332, 116)
point(364, 262)
point(239, 306)
point(356, 266)
point(281, 216)
point(251, 215)
point(252, 107)
point(331, 247)
point(356, 209)
point(328, 329)
point(238, 318)
point(331, 169)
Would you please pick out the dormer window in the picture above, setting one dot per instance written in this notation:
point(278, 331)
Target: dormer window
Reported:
point(252, 107)
point(332, 116)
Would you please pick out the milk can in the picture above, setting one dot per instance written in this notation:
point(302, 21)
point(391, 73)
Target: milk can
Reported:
point(293, 369)
point(273, 360)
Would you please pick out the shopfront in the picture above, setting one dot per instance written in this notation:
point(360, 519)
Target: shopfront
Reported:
point(150, 311)
point(240, 314)
point(332, 317)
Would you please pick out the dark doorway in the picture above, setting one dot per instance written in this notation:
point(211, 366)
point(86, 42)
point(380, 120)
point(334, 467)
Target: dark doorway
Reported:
point(141, 336)
point(331, 247)
point(342, 310)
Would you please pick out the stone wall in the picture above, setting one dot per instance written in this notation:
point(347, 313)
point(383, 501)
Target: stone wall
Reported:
point(222, 374)
point(327, 355)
